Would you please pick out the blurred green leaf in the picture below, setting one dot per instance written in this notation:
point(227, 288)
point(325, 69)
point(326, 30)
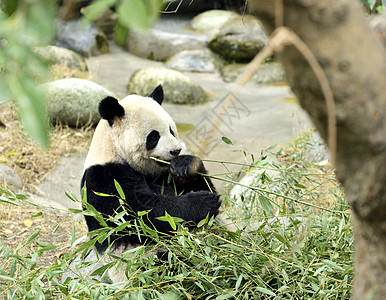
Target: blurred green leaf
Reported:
point(139, 14)
point(96, 8)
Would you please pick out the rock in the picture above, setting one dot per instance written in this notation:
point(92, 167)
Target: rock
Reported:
point(178, 88)
point(84, 39)
point(68, 171)
point(160, 45)
point(83, 268)
point(74, 101)
point(316, 150)
point(212, 20)
point(9, 177)
point(266, 73)
point(193, 61)
point(239, 39)
point(61, 56)
point(254, 177)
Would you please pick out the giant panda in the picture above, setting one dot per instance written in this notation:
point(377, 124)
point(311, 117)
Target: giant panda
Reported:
point(132, 131)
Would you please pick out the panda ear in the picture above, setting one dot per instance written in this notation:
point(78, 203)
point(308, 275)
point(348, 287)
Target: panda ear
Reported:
point(109, 109)
point(158, 94)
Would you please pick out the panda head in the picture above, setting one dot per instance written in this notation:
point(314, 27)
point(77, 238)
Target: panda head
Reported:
point(135, 129)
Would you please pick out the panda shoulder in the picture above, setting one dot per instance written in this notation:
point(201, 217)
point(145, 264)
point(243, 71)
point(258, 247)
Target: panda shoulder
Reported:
point(105, 174)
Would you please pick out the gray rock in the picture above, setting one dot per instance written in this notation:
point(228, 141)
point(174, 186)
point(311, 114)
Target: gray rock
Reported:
point(65, 177)
point(316, 150)
point(83, 268)
point(239, 39)
point(74, 101)
point(84, 39)
point(212, 20)
point(266, 73)
point(193, 61)
point(160, 45)
point(253, 178)
point(9, 177)
point(54, 55)
point(178, 88)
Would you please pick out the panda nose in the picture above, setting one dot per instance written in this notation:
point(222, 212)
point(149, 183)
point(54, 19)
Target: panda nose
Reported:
point(175, 152)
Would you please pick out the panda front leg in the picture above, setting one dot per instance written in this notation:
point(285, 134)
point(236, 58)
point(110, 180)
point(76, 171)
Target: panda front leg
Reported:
point(189, 174)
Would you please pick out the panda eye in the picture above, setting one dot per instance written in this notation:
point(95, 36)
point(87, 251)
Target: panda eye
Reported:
point(152, 139)
point(171, 131)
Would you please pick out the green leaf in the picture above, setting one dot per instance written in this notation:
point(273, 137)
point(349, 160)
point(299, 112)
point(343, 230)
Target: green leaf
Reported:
point(100, 271)
point(144, 212)
point(32, 112)
point(119, 189)
point(85, 245)
point(73, 235)
point(121, 33)
point(134, 14)
point(238, 282)
point(168, 218)
point(226, 140)
point(266, 204)
point(76, 242)
point(265, 291)
point(332, 265)
point(4, 277)
point(32, 237)
point(102, 194)
point(75, 210)
point(39, 214)
point(8, 200)
point(300, 186)
point(97, 8)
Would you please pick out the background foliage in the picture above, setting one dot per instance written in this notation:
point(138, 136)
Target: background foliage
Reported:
point(27, 24)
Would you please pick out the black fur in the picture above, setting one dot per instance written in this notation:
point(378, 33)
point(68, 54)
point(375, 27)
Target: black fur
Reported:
point(152, 139)
point(158, 94)
point(191, 198)
point(109, 109)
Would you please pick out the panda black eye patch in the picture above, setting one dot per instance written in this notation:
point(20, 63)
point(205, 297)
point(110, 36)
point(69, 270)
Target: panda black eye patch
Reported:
point(152, 139)
point(171, 131)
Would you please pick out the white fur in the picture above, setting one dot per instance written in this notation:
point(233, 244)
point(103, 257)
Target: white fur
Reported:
point(125, 141)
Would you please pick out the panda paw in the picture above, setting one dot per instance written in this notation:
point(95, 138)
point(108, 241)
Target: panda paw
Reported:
point(204, 203)
point(186, 166)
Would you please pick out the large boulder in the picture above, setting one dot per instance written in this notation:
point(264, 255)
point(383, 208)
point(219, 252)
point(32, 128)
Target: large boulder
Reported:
point(85, 39)
point(74, 101)
point(159, 45)
point(201, 60)
point(54, 55)
point(239, 39)
point(212, 20)
point(178, 88)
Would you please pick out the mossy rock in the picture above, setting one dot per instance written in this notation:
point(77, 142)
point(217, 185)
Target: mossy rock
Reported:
point(74, 101)
point(239, 39)
point(178, 88)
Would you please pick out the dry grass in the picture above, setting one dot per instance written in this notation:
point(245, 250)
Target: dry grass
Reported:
point(29, 160)
point(18, 223)
point(32, 163)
